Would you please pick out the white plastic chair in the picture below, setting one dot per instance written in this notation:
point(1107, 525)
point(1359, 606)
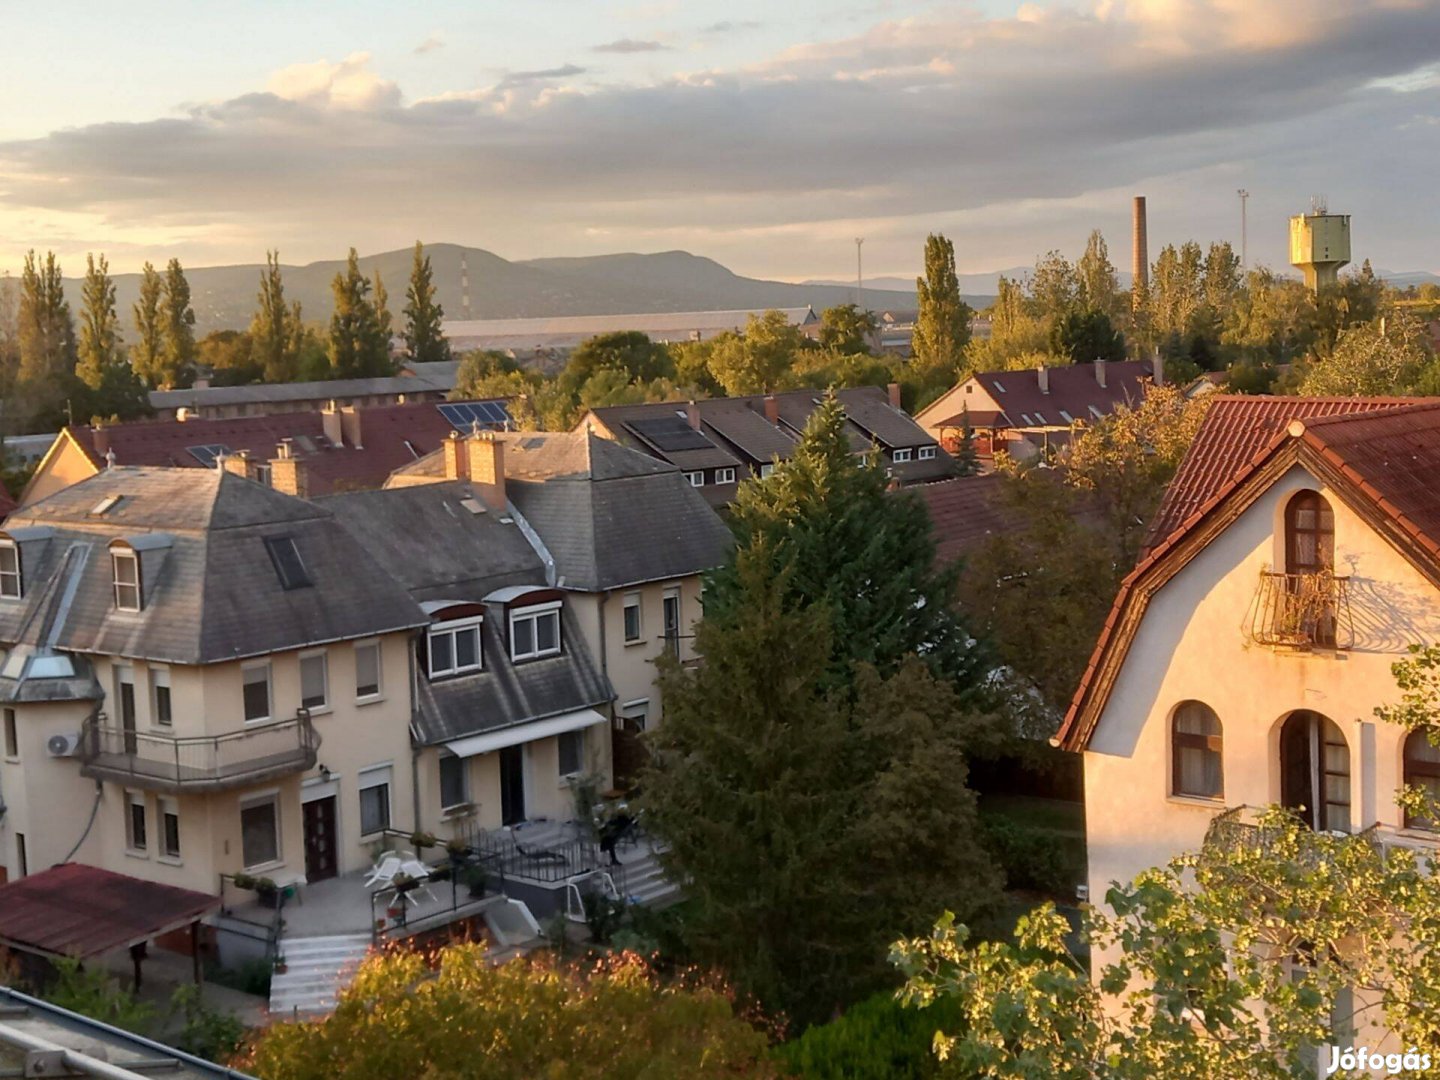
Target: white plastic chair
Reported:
point(421, 873)
point(385, 871)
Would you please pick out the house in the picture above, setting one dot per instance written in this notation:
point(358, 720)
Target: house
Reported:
point(718, 442)
point(206, 402)
point(1294, 559)
point(1023, 412)
point(335, 448)
point(966, 513)
point(624, 538)
point(202, 677)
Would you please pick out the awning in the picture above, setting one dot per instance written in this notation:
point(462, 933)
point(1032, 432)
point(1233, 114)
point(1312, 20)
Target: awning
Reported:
point(523, 733)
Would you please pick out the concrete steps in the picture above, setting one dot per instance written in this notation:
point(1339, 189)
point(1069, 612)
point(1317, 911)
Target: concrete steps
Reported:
point(646, 883)
point(317, 969)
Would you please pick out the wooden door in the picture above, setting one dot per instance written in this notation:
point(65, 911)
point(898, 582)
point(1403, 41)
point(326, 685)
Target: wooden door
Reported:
point(318, 816)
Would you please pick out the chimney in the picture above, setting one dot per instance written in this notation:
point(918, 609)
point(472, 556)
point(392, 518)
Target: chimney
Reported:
point(101, 438)
point(184, 413)
point(237, 463)
point(692, 414)
point(1100, 373)
point(487, 468)
point(200, 384)
point(330, 423)
point(457, 464)
point(350, 426)
point(288, 473)
point(772, 409)
point(1140, 257)
point(1157, 364)
point(1042, 376)
point(894, 389)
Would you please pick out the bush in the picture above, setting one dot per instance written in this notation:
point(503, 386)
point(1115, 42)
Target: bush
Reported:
point(1033, 858)
point(878, 1039)
point(251, 977)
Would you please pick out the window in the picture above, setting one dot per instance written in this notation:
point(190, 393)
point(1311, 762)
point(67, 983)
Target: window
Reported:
point(289, 567)
point(635, 716)
point(22, 860)
point(766, 469)
point(633, 628)
point(925, 453)
point(12, 737)
point(169, 829)
point(256, 692)
point(367, 670)
point(375, 800)
point(571, 746)
point(697, 479)
point(454, 783)
point(535, 632)
point(135, 821)
point(671, 611)
point(1315, 771)
point(1309, 534)
point(724, 476)
point(901, 456)
point(160, 690)
point(1195, 748)
point(1422, 770)
point(454, 647)
point(314, 681)
point(9, 570)
point(260, 832)
point(125, 572)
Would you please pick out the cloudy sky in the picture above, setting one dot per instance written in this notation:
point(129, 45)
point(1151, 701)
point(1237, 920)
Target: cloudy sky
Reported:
point(766, 135)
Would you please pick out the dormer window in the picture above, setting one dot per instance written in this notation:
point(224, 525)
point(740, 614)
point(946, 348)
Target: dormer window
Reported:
point(925, 453)
point(901, 456)
point(454, 647)
point(11, 587)
point(535, 631)
point(125, 575)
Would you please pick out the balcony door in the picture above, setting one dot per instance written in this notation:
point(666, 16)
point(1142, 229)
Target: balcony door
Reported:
point(512, 785)
point(318, 818)
point(1315, 771)
point(125, 705)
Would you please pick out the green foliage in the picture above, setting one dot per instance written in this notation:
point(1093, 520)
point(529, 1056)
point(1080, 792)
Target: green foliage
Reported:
point(515, 1021)
point(45, 337)
point(630, 354)
point(756, 361)
point(967, 459)
point(1389, 356)
point(230, 357)
point(942, 324)
point(95, 993)
point(177, 330)
point(251, 977)
point(276, 331)
point(146, 355)
point(1036, 859)
point(359, 345)
point(106, 386)
point(1085, 335)
point(424, 339)
point(203, 1031)
point(1097, 288)
point(848, 329)
point(877, 1039)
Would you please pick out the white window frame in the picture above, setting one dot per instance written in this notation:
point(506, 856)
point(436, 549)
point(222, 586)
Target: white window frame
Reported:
point(12, 580)
point(168, 808)
point(767, 469)
point(370, 778)
point(160, 680)
point(245, 670)
point(464, 799)
point(533, 614)
point(632, 602)
point(724, 476)
point(639, 709)
point(925, 453)
point(324, 657)
point(579, 770)
point(132, 800)
point(271, 798)
point(379, 691)
point(118, 556)
point(904, 454)
point(451, 628)
point(696, 478)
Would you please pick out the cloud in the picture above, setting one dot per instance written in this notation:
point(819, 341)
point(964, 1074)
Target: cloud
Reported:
point(629, 45)
point(430, 44)
point(727, 26)
point(1014, 135)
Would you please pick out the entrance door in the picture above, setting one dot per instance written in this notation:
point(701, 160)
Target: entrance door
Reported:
point(512, 785)
point(318, 816)
point(1315, 771)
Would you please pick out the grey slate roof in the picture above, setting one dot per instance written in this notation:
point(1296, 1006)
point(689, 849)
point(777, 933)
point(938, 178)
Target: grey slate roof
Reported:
point(212, 592)
point(433, 381)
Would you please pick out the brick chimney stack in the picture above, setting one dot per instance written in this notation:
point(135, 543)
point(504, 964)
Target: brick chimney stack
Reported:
point(894, 391)
point(237, 463)
point(692, 414)
point(1042, 376)
point(487, 468)
point(772, 409)
point(457, 461)
point(288, 473)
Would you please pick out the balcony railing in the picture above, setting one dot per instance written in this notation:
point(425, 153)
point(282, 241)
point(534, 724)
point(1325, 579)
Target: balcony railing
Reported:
point(1302, 611)
point(109, 751)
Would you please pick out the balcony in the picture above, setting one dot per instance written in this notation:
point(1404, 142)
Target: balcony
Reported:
point(197, 764)
point(1302, 612)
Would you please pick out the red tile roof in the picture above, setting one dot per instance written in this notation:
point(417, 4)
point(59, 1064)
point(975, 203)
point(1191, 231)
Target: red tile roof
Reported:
point(965, 512)
point(390, 436)
point(1073, 388)
point(77, 910)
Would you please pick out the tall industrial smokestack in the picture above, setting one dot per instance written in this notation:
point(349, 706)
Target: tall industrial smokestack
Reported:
point(1140, 259)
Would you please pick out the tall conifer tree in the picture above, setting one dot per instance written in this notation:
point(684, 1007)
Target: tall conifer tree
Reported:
point(942, 325)
point(147, 354)
point(424, 339)
point(178, 325)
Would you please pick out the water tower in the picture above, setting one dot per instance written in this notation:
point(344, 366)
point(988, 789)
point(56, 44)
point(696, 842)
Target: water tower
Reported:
point(1319, 244)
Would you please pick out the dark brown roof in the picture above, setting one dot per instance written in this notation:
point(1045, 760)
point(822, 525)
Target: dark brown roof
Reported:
point(1074, 392)
point(965, 513)
point(77, 910)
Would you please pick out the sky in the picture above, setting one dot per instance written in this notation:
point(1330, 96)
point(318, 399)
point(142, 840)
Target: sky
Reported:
point(765, 135)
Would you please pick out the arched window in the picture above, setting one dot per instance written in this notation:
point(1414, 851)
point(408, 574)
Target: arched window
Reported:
point(1309, 534)
point(1315, 770)
point(1422, 770)
point(1195, 751)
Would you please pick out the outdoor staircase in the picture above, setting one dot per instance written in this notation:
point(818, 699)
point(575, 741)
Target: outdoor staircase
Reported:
point(317, 969)
point(646, 883)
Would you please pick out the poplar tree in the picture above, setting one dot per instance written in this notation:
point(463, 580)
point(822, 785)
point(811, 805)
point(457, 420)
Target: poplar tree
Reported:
point(424, 337)
point(275, 329)
point(46, 334)
point(942, 326)
point(178, 326)
point(358, 348)
point(146, 355)
point(99, 325)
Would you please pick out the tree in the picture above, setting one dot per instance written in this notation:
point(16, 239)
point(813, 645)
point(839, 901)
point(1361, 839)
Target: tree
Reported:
point(146, 355)
point(230, 355)
point(358, 348)
point(514, 1021)
point(806, 820)
point(1054, 288)
point(942, 325)
point(1384, 357)
point(967, 461)
point(99, 348)
point(1097, 287)
point(631, 353)
point(1243, 961)
point(178, 329)
point(755, 362)
point(848, 329)
point(275, 329)
point(46, 335)
point(424, 335)
point(1085, 335)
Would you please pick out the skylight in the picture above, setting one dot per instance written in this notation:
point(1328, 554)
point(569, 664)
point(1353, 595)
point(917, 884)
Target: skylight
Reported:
point(108, 503)
point(207, 453)
point(289, 567)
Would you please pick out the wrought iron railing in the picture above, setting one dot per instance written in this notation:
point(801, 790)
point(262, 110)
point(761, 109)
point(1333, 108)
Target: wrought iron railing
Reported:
point(552, 860)
point(200, 762)
point(1302, 611)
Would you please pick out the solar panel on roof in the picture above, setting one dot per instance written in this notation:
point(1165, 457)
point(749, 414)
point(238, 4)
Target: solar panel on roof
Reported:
point(464, 415)
point(670, 433)
point(207, 454)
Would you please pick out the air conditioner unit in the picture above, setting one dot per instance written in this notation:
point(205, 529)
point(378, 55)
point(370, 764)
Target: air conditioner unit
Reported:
point(63, 745)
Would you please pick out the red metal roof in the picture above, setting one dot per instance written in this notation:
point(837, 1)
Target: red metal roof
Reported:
point(77, 910)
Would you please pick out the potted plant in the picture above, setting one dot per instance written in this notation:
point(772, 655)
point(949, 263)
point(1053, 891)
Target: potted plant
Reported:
point(280, 965)
point(267, 892)
point(243, 881)
point(423, 840)
point(457, 850)
point(403, 883)
point(475, 879)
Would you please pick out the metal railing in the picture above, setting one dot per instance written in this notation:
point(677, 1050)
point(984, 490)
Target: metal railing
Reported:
point(551, 862)
point(197, 763)
point(1302, 611)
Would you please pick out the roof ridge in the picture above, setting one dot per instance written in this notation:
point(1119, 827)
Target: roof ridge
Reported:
point(1415, 406)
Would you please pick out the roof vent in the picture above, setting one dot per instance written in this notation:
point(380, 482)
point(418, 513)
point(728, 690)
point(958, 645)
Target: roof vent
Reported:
point(475, 506)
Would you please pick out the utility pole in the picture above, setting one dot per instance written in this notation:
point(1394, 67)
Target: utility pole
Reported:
point(1244, 237)
point(859, 276)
